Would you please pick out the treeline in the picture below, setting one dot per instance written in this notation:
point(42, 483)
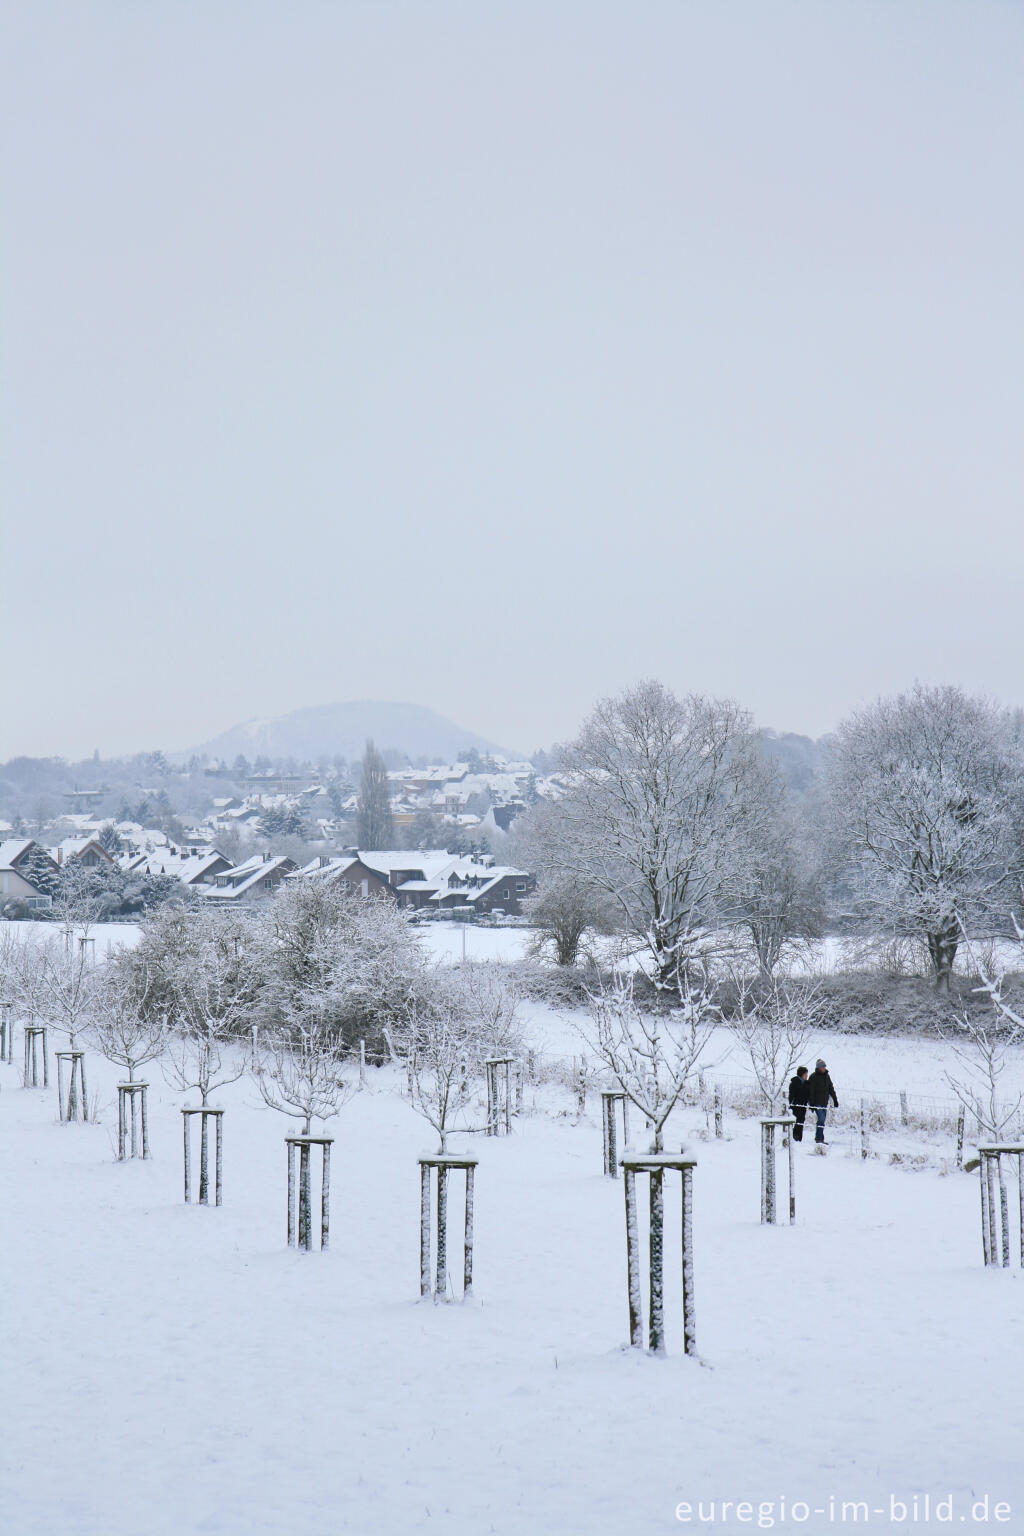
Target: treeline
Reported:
point(680, 830)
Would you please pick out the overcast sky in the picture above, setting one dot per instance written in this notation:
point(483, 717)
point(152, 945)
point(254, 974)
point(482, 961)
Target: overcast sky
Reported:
point(492, 356)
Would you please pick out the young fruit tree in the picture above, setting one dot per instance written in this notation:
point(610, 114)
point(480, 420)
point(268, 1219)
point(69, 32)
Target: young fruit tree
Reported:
point(210, 984)
point(443, 1045)
point(125, 1027)
point(774, 1022)
point(494, 1003)
point(982, 1049)
point(130, 1032)
point(924, 790)
point(651, 1052)
point(662, 797)
point(444, 1042)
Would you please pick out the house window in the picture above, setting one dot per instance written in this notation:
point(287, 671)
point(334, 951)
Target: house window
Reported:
point(520, 886)
point(504, 894)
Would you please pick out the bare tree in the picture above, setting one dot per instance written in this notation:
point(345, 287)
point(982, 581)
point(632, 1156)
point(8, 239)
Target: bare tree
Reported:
point(780, 878)
point(124, 1025)
point(661, 796)
point(299, 1070)
point(211, 987)
point(565, 911)
point(494, 1003)
point(650, 1053)
point(69, 982)
point(924, 793)
point(982, 1046)
point(774, 1023)
point(443, 1041)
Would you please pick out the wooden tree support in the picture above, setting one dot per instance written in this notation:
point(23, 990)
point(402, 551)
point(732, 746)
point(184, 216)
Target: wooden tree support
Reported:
point(133, 1116)
point(865, 1130)
point(434, 1279)
point(217, 1116)
point(35, 1040)
point(7, 1033)
point(499, 1095)
point(718, 1112)
point(655, 1165)
point(73, 1104)
point(300, 1204)
point(995, 1231)
point(610, 1099)
point(769, 1204)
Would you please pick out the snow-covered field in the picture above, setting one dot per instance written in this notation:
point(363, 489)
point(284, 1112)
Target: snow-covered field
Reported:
point(173, 1369)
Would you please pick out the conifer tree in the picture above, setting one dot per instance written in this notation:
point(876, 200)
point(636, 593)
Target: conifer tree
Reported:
point(374, 825)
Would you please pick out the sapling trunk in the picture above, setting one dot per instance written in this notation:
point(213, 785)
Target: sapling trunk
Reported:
point(657, 1319)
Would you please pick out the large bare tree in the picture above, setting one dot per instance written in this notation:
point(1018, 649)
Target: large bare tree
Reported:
point(663, 796)
point(925, 795)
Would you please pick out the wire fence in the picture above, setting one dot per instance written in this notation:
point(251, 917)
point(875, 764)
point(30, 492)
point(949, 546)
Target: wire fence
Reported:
point(885, 1110)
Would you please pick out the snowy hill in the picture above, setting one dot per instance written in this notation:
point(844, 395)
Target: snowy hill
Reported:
point(343, 729)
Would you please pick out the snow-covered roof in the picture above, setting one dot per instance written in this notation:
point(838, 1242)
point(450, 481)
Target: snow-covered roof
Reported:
point(246, 877)
point(13, 850)
point(316, 869)
point(189, 868)
point(383, 861)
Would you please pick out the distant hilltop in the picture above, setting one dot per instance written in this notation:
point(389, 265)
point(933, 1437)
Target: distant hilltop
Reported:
point(342, 730)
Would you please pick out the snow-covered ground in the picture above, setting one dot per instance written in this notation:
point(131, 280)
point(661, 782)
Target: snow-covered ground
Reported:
point(108, 936)
point(172, 1369)
point(860, 1065)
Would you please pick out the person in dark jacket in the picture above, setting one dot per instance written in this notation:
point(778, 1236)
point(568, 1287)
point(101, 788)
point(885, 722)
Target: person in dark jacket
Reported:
point(798, 1101)
point(819, 1092)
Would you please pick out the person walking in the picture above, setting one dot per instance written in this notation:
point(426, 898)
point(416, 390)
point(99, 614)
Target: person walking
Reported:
point(798, 1101)
point(819, 1092)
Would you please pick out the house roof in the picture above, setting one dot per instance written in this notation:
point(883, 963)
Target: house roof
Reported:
point(246, 877)
point(13, 850)
point(189, 868)
point(383, 861)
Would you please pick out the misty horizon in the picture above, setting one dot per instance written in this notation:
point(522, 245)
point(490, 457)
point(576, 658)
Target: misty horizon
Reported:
point(209, 747)
point(497, 358)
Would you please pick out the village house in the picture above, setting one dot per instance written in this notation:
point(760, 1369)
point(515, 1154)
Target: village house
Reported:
point(24, 868)
point(87, 851)
point(255, 880)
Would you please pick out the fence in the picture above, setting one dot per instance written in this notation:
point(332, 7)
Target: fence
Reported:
point(887, 1109)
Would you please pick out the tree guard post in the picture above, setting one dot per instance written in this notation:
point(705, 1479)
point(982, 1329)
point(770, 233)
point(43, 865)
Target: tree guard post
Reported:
point(7, 1033)
point(362, 1063)
point(655, 1165)
point(995, 1228)
point(133, 1116)
point(718, 1112)
point(961, 1120)
point(300, 1199)
point(35, 1039)
point(769, 1211)
point(442, 1164)
point(610, 1099)
point(865, 1144)
point(206, 1114)
point(72, 1102)
point(499, 1095)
